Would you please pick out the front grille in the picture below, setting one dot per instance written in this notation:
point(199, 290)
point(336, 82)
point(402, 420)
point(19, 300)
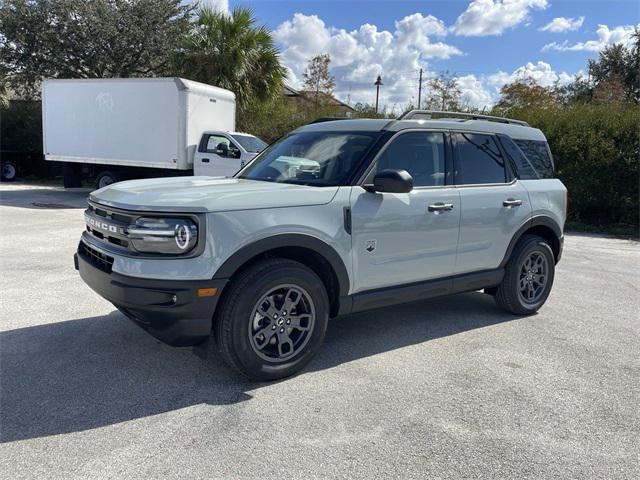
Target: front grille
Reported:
point(94, 257)
point(119, 222)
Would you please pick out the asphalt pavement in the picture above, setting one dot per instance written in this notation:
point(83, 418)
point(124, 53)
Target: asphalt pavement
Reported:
point(448, 388)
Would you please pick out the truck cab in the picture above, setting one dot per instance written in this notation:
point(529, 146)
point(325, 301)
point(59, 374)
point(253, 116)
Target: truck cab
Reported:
point(224, 153)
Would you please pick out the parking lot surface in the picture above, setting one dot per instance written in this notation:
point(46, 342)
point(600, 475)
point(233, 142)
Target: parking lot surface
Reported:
point(448, 388)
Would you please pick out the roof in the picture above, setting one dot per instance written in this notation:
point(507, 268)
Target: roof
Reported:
point(448, 124)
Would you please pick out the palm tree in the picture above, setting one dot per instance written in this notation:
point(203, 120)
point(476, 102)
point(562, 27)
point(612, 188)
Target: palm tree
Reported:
point(232, 52)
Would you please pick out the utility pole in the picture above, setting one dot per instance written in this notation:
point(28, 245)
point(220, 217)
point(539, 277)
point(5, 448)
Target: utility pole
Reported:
point(419, 89)
point(377, 84)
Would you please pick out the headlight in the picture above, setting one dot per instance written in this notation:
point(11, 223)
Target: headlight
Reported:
point(173, 236)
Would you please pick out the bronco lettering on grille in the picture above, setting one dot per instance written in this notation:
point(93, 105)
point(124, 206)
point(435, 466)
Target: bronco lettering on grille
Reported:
point(100, 225)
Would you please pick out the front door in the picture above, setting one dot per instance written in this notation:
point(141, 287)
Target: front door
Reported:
point(218, 156)
point(400, 238)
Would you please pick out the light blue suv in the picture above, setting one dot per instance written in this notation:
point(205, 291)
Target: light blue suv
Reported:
point(336, 217)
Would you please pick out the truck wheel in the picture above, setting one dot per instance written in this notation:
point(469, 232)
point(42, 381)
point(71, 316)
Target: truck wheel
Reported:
point(106, 178)
point(8, 172)
point(528, 277)
point(272, 319)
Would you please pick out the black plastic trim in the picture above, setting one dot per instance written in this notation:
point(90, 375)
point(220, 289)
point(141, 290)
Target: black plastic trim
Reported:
point(150, 302)
point(413, 292)
point(538, 220)
point(246, 253)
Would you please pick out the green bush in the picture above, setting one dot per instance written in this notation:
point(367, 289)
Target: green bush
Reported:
point(596, 149)
point(21, 126)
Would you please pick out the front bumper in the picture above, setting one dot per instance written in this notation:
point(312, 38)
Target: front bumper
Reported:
point(170, 310)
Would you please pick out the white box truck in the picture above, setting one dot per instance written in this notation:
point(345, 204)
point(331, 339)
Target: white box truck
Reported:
point(115, 129)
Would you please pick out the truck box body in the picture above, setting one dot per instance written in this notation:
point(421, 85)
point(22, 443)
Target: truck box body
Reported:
point(136, 122)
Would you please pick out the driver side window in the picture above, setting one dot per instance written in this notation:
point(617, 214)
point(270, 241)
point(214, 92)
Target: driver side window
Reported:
point(221, 146)
point(419, 153)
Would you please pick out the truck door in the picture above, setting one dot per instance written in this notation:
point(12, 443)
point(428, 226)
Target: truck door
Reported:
point(217, 156)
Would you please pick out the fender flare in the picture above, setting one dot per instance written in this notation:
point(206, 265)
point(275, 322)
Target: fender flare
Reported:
point(246, 253)
point(538, 220)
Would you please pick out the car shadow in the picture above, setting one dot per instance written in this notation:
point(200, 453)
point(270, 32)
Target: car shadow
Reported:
point(44, 198)
point(81, 374)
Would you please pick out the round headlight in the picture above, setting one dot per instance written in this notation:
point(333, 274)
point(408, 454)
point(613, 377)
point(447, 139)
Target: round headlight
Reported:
point(183, 237)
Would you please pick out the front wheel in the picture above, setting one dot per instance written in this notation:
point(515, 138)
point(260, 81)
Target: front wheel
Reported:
point(528, 277)
point(272, 319)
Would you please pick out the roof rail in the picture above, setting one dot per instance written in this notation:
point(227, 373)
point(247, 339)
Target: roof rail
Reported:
point(429, 114)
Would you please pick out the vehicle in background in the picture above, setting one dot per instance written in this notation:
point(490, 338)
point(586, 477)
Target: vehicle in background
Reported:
point(223, 154)
point(117, 129)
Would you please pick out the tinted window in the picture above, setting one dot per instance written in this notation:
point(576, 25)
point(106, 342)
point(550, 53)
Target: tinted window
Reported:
point(249, 143)
point(538, 154)
point(478, 160)
point(518, 159)
point(311, 158)
point(419, 153)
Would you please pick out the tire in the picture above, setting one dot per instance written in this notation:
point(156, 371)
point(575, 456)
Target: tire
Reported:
point(106, 178)
point(526, 286)
point(262, 287)
point(8, 171)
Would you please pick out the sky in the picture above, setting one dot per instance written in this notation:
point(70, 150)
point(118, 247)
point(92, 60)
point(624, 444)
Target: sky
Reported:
point(484, 43)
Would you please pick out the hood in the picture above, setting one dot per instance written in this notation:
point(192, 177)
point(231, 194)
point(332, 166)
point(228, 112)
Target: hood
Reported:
point(208, 194)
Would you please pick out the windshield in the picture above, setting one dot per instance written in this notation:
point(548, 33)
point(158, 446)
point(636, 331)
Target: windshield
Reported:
point(311, 158)
point(250, 143)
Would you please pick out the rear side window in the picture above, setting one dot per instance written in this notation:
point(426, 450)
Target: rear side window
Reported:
point(538, 154)
point(478, 160)
point(518, 159)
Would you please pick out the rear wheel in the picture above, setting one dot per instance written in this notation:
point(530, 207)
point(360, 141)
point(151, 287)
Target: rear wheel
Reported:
point(272, 319)
point(106, 178)
point(8, 172)
point(528, 277)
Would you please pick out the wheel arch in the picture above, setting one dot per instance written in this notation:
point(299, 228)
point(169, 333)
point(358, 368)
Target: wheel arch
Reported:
point(306, 249)
point(543, 226)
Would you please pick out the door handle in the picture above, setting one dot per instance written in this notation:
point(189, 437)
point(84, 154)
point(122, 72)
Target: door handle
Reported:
point(205, 160)
point(512, 202)
point(440, 207)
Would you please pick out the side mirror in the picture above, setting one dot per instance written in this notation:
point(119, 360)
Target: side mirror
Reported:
point(391, 181)
point(223, 150)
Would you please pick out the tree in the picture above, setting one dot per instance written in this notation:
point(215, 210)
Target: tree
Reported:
point(88, 39)
point(618, 66)
point(443, 93)
point(232, 52)
point(317, 77)
point(525, 93)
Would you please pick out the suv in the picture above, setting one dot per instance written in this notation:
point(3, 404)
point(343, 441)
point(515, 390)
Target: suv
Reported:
point(336, 217)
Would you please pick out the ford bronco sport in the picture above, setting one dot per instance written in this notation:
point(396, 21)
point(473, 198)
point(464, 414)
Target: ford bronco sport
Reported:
point(336, 217)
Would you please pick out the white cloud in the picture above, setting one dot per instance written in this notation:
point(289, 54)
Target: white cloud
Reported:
point(221, 5)
point(485, 90)
point(359, 56)
point(475, 92)
point(541, 72)
point(563, 24)
point(606, 37)
point(492, 17)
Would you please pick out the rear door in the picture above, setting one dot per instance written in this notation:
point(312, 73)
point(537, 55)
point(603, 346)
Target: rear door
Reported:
point(217, 155)
point(494, 204)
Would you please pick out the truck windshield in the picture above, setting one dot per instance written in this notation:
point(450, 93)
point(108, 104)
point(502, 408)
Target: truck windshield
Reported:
point(250, 143)
point(311, 158)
